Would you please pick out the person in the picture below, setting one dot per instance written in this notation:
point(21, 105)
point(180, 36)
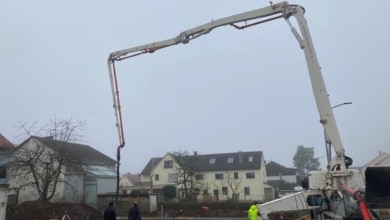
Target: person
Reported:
point(282, 216)
point(253, 212)
point(134, 213)
point(109, 213)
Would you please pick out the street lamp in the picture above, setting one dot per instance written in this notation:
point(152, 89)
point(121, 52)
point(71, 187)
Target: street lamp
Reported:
point(344, 103)
point(328, 144)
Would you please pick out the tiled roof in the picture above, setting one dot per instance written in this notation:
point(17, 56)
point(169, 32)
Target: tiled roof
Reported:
point(4, 143)
point(151, 164)
point(229, 161)
point(74, 151)
point(133, 178)
point(275, 169)
point(219, 162)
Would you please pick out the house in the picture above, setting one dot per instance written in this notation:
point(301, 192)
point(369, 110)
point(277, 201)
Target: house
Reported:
point(376, 175)
point(278, 172)
point(282, 179)
point(383, 159)
point(216, 177)
point(128, 182)
point(74, 172)
point(6, 148)
point(5, 143)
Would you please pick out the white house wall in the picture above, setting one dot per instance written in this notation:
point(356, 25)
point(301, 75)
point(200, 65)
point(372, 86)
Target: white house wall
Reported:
point(29, 193)
point(124, 181)
point(289, 179)
point(3, 200)
point(163, 173)
point(145, 178)
point(255, 185)
point(70, 187)
point(74, 188)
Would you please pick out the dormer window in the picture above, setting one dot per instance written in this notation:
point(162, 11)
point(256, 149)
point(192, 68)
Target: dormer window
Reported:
point(250, 159)
point(230, 160)
point(212, 161)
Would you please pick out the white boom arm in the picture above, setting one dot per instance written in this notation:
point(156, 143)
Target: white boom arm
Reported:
point(293, 202)
point(186, 36)
point(283, 10)
point(319, 90)
point(337, 172)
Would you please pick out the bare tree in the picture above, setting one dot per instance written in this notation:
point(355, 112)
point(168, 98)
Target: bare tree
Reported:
point(232, 185)
point(38, 166)
point(188, 176)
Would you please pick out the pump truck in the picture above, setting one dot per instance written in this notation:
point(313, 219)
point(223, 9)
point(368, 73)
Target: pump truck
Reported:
point(335, 193)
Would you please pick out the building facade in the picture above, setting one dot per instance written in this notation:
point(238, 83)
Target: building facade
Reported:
point(6, 148)
point(383, 159)
point(239, 176)
point(129, 182)
point(74, 172)
point(278, 172)
point(284, 180)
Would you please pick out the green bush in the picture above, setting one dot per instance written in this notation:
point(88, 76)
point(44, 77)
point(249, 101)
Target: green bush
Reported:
point(135, 192)
point(169, 192)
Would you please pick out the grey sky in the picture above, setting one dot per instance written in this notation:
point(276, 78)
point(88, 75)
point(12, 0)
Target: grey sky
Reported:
point(227, 91)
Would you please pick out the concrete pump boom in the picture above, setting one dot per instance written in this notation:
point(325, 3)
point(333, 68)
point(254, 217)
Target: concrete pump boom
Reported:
point(279, 10)
point(337, 172)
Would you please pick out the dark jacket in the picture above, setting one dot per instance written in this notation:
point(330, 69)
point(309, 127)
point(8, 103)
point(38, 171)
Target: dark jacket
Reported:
point(109, 213)
point(134, 213)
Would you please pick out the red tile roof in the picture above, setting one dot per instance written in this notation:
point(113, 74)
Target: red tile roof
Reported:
point(4, 143)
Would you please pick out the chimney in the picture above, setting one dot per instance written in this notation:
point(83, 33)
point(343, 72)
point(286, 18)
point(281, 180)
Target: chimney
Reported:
point(195, 153)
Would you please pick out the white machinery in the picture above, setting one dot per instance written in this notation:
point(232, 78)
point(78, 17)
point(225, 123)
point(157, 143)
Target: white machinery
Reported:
point(327, 190)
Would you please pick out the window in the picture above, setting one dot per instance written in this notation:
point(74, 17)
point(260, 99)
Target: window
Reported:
point(216, 193)
point(3, 171)
point(168, 164)
point(172, 177)
point(250, 175)
point(196, 191)
point(250, 159)
point(205, 192)
point(199, 176)
point(224, 190)
point(230, 160)
point(183, 195)
point(218, 176)
point(247, 191)
point(212, 160)
point(235, 175)
point(156, 177)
